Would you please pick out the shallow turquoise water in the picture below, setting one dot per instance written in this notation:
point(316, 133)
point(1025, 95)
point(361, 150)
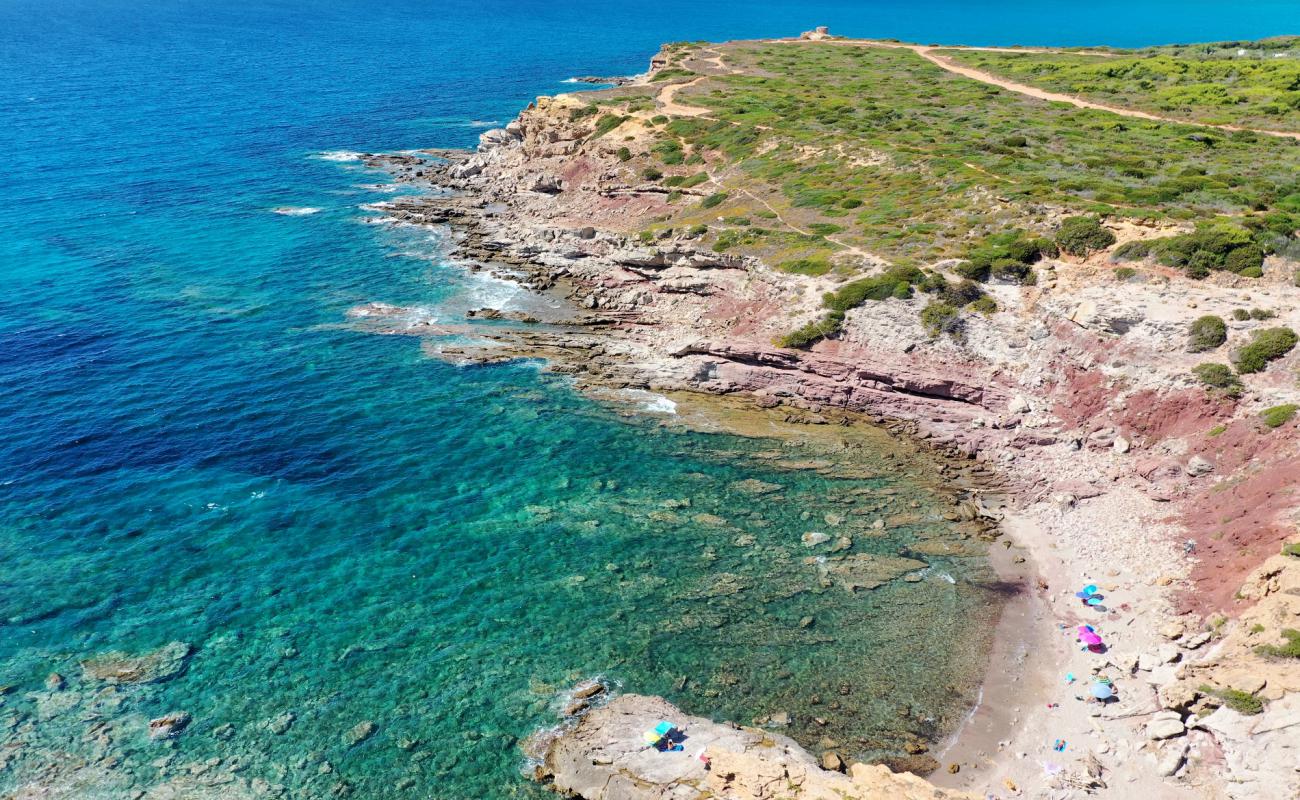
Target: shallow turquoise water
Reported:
point(195, 446)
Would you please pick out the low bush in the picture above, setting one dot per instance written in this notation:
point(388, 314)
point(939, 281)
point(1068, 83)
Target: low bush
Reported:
point(1262, 314)
point(813, 331)
point(1124, 273)
point(940, 317)
point(1267, 345)
point(1212, 247)
point(714, 200)
point(984, 305)
point(1277, 416)
point(1131, 251)
point(624, 154)
point(698, 230)
point(1015, 141)
point(1239, 701)
point(1240, 314)
point(1206, 333)
point(806, 266)
point(1291, 549)
point(651, 174)
point(1219, 377)
point(1080, 236)
point(1288, 649)
point(892, 283)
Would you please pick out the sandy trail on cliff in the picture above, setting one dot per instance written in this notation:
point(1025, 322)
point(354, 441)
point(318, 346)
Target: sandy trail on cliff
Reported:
point(931, 54)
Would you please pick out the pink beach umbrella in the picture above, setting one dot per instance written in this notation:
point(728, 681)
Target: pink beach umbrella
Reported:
point(1090, 638)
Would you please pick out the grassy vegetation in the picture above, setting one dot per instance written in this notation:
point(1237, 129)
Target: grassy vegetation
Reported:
point(908, 158)
point(1080, 236)
point(605, 124)
point(1253, 84)
point(1290, 648)
point(1239, 701)
point(1277, 416)
point(806, 266)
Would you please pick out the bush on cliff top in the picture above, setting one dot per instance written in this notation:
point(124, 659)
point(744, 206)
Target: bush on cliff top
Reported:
point(1267, 345)
point(940, 317)
point(1207, 333)
point(816, 265)
point(1080, 236)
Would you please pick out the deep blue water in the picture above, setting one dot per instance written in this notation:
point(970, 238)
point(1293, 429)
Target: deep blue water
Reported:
point(195, 446)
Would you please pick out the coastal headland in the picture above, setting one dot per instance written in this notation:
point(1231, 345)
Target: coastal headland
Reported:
point(1092, 299)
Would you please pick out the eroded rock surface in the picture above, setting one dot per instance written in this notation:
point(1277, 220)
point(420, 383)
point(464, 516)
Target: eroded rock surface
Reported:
point(604, 757)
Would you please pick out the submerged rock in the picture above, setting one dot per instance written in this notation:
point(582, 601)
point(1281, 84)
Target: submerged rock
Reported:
point(160, 665)
point(169, 725)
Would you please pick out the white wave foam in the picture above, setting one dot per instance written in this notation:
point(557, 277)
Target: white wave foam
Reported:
point(295, 211)
point(484, 123)
point(339, 155)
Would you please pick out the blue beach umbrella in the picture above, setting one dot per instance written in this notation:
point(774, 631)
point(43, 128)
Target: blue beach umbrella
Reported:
point(1103, 691)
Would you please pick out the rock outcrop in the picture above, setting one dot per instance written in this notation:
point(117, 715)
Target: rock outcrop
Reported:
point(603, 757)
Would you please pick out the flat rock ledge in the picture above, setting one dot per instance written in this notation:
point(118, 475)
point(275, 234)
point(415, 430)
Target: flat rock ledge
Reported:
point(603, 757)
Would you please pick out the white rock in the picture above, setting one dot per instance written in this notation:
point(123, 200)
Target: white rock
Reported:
point(1122, 445)
point(1198, 466)
point(1165, 728)
point(814, 538)
point(1171, 757)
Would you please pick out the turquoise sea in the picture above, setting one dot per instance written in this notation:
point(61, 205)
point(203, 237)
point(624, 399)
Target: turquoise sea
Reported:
point(195, 446)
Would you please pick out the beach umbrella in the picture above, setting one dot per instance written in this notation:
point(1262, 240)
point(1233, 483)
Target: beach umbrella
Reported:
point(651, 737)
point(664, 728)
point(1090, 638)
point(1102, 691)
point(1090, 589)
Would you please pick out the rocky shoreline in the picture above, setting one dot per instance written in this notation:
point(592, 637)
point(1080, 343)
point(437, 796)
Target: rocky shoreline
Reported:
point(1093, 455)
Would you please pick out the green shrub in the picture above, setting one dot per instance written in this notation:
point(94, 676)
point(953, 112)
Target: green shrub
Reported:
point(1239, 701)
point(824, 228)
point(713, 200)
point(1015, 141)
point(813, 331)
point(1296, 278)
point(876, 287)
point(984, 305)
point(1262, 314)
point(940, 317)
point(1030, 251)
point(1277, 416)
point(1013, 271)
point(960, 294)
point(1080, 236)
point(1288, 649)
point(1291, 549)
point(1219, 377)
point(972, 270)
point(740, 221)
point(1252, 272)
point(698, 230)
point(1124, 273)
point(1267, 345)
point(1207, 333)
point(658, 119)
point(673, 196)
point(853, 202)
point(1240, 314)
point(651, 174)
point(670, 152)
point(624, 154)
point(1247, 257)
point(1131, 251)
point(814, 266)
